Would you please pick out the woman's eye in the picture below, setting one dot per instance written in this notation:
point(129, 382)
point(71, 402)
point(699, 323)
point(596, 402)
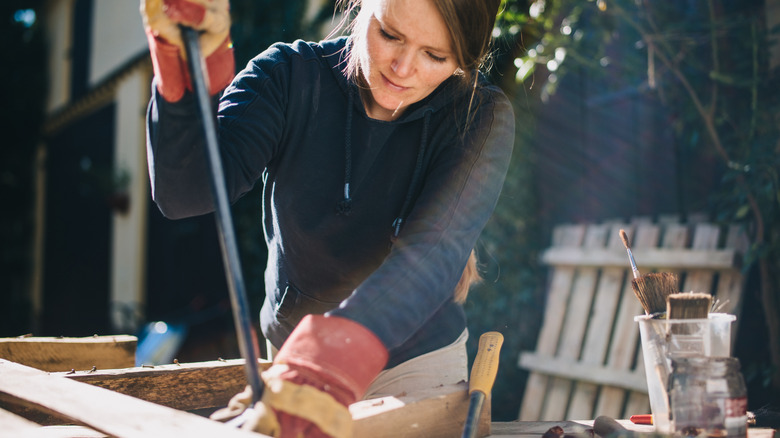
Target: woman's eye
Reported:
point(386, 35)
point(436, 58)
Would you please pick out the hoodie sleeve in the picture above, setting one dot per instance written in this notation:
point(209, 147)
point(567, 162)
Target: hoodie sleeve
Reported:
point(460, 191)
point(178, 165)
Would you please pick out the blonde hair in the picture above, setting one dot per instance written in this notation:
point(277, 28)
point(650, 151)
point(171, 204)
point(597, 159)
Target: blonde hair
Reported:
point(469, 278)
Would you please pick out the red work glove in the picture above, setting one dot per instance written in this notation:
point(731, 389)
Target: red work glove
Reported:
point(161, 22)
point(326, 364)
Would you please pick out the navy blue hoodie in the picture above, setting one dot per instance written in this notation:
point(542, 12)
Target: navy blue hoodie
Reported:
point(365, 219)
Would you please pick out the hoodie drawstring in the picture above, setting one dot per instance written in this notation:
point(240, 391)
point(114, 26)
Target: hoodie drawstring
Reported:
point(344, 207)
point(399, 221)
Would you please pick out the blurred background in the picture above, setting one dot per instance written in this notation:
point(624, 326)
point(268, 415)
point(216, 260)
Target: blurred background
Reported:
point(625, 109)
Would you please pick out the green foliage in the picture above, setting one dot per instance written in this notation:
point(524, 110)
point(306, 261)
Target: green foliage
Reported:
point(708, 62)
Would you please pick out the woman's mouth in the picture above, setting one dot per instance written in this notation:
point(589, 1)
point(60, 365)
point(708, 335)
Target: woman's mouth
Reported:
point(392, 85)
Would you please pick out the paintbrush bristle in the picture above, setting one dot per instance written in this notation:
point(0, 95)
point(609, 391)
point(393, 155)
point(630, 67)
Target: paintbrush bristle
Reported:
point(688, 305)
point(624, 238)
point(653, 288)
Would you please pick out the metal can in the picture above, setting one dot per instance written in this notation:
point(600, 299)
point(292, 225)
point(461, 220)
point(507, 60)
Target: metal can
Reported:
point(707, 397)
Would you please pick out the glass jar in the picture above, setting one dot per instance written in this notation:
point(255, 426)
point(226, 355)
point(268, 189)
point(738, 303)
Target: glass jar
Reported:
point(707, 397)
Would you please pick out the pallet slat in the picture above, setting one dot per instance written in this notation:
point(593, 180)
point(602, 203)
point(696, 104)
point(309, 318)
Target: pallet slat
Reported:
point(583, 372)
point(652, 258)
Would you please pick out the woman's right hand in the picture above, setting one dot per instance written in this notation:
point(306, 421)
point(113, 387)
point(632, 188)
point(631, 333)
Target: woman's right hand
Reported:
point(163, 17)
point(162, 20)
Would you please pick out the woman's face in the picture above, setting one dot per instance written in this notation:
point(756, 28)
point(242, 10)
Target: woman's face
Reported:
point(407, 54)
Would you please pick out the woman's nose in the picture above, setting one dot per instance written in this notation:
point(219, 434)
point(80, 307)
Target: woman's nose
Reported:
point(403, 63)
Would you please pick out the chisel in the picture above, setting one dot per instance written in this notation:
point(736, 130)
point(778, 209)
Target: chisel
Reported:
point(483, 375)
point(247, 340)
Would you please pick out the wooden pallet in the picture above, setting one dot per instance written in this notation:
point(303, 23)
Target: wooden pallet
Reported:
point(587, 360)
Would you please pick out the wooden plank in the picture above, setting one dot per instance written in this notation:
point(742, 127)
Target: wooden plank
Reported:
point(16, 426)
point(599, 329)
point(65, 354)
point(435, 413)
point(560, 286)
point(624, 341)
point(538, 428)
point(187, 386)
point(105, 411)
point(195, 386)
point(68, 431)
point(535, 429)
point(594, 374)
point(705, 237)
point(575, 323)
point(652, 258)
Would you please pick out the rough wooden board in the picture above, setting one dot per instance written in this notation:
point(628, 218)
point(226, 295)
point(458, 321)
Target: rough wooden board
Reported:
point(16, 426)
point(65, 354)
point(187, 386)
point(68, 432)
point(199, 386)
point(105, 411)
point(436, 413)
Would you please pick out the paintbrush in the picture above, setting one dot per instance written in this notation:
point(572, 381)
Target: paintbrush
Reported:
point(688, 305)
point(685, 306)
point(624, 238)
point(651, 289)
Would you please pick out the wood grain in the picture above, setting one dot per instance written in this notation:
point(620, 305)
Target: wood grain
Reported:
point(435, 413)
point(105, 411)
point(65, 354)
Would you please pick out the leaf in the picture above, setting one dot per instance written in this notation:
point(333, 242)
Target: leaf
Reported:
point(742, 212)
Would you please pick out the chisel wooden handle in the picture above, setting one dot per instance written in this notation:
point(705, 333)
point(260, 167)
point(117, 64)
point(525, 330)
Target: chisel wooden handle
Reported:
point(483, 375)
point(485, 368)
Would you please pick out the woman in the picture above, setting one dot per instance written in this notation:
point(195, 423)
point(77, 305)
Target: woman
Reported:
point(382, 157)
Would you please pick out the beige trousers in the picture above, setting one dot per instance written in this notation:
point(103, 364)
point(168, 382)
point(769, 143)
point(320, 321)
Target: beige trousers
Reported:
point(446, 366)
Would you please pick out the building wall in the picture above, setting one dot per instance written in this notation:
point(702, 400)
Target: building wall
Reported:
point(97, 59)
point(117, 36)
point(58, 19)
